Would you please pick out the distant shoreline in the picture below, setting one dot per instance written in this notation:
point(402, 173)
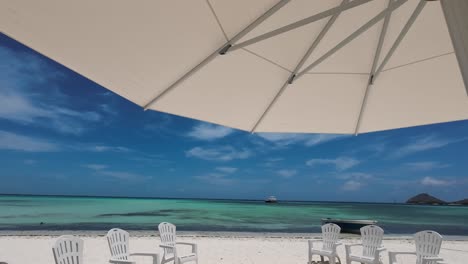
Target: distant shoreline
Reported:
point(195, 234)
point(187, 198)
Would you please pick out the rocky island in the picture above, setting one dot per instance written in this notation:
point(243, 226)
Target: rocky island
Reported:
point(427, 199)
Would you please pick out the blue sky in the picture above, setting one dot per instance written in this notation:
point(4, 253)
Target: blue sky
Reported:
point(60, 133)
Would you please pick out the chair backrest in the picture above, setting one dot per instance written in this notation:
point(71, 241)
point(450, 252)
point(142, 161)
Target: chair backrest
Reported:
point(371, 237)
point(167, 232)
point(330, 235)
point(68, 250)
point(118, 240)
point(428, 244)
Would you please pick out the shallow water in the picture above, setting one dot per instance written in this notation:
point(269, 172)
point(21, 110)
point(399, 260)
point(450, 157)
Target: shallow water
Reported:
point(90, 213)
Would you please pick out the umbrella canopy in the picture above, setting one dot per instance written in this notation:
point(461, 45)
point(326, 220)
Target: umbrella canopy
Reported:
point(322, 66)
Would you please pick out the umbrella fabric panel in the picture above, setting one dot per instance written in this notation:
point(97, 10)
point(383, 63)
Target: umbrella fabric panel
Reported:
point(135, 50)
point(237, 15)
point(356, 56)
point(288, 48)
point(428, 36)
point(232, 90)
point(327, 103)
point(139, 50)
point(422, 93)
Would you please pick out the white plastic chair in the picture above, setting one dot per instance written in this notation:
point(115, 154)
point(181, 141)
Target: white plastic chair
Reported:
point(428, 245)
point(118, 240)
point(371, 237)
point(330, 234)
point(68, 249)
point(167, 232)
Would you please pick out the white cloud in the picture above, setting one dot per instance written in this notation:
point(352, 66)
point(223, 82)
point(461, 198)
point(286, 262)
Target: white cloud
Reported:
point(30, 162)
point(286, 173)
point(355, 180)
point(430, 181)
point(286, 139)
point(10, 141)
point(317, 139)
point(226, 169)
point(340, 163)
point(102, 148)
point(352, 185)
point(123, 175)
point(160, 123)
point(425, 165)
point(216, 179)
point(423, 143)
point(19, 76)
point(209, 132)
point(95, 166)
point(225, 153)
point(355, 176)
point(19, 108)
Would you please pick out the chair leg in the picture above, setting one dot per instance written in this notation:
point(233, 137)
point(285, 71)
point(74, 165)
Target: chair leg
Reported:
point(321, 259)
point(339, 260)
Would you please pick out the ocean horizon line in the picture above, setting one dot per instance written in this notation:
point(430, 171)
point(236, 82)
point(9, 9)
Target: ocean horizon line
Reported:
point(192, 198)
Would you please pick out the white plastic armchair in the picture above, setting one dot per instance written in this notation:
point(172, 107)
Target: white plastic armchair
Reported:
point(167, 232)
point(68, 249)
point(118, 240)
point(329, 241)
point(371, 237)
point(428, 245)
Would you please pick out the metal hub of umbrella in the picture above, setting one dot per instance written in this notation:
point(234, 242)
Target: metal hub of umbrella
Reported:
point(322, 66)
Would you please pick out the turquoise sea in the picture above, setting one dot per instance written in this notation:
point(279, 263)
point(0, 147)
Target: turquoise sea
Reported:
point(96, 213)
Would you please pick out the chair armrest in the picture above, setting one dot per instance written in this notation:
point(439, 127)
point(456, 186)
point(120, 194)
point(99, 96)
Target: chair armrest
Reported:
point(170, 247)
point(144, 254)
point(336, 244)
point(186, 243)
point(312, 241)
point(380, 249)
point(348, 248)
point(431, 259)
point(121, 261)
point(194, 246)
point(167, 246)
point(392, 255)
point(153, 255)
point(353, 245)
point(401, 253)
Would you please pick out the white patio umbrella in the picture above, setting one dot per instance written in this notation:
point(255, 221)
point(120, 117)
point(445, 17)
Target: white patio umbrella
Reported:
point(319, 66)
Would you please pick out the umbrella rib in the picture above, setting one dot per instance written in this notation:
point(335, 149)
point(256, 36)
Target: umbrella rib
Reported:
point(300, 23)
point(418, 61)
point(217, 20)
point(355, 34)
point(217, 52)
point(312, 47)
point(266, 59)
point(374, 66)
point(400, 37)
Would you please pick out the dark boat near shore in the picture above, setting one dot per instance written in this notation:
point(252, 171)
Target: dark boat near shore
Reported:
point(349, 226)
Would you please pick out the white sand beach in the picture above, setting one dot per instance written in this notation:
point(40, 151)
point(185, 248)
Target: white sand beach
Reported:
point(213, 249)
